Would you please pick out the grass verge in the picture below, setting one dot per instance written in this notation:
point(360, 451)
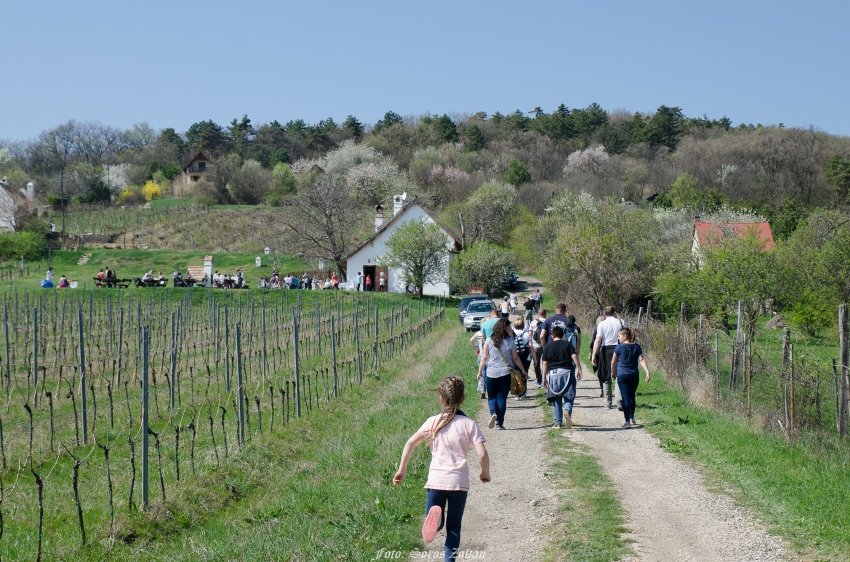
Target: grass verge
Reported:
point(590, 524)
point(321, 489)
point(801, 490)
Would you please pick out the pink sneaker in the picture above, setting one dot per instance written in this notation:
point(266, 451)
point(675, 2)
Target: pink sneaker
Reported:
point(432, 522)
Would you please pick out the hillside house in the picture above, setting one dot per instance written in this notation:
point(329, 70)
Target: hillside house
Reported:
point(15, 205)
point(197, 167)
point(708, 234)
point(364, 257)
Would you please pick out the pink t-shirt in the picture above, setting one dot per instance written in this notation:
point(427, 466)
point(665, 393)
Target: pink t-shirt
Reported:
point(449, 469)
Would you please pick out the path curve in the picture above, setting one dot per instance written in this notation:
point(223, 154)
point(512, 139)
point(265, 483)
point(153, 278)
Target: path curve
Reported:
point(671, 514)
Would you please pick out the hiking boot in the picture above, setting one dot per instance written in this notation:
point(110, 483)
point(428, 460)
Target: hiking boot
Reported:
point(568, 420)
point(483, 395)
point(620, 405)
point(432, 523)
point(500, 426)
point(492, 421)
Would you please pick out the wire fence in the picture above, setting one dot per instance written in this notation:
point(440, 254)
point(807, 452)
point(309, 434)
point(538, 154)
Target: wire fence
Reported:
point(777, 378)
point(114, 397)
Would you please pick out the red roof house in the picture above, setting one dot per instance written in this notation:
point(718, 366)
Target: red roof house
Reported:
point(708, 234)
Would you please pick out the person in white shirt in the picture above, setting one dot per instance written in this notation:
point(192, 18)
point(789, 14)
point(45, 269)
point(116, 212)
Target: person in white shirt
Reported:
point(603, 349)
point(381, 282)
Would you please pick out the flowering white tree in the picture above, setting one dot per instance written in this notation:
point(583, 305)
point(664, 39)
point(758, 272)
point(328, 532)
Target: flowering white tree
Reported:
point(593, 160)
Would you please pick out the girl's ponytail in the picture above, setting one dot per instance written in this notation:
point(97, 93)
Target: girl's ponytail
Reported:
point(451, 391)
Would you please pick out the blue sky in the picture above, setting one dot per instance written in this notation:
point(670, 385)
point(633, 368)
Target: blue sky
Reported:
point(174, 63)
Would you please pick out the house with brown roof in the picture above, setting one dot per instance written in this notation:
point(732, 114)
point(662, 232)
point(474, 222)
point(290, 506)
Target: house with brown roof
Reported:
point(363, 259)
point(708, 234)
point(196, 168)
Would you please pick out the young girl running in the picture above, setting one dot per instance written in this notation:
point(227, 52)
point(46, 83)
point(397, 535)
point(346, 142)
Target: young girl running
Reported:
point(449, 435)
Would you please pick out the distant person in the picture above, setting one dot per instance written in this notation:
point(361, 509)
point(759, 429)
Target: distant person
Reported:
point(528, 305)
point(561, 370)
point(100, 275)
point(50, 274)
point(505, 307)
point(571, 330)
point(381, 283)
point(603, 350)
point(624, 369)
point(368, 283)
point(359, 283)
point(335, 281)
point(240, 278)
point(512, 302)
point(63, 282)
point(522, 337)
point(538, 300)
point(449, 435)
point(536, 328)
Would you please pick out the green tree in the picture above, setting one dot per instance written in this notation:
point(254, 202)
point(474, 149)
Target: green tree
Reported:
point(487, 216)
point(283, 184)
point(474, 138)
point(684, 193)
point(353, 126)
point(665, 127)
point(517, 173)
point(419, 249)
point(241, 134)
point(445, 128)
point(206, 136)
point(390, 119)
point(838, 175)
point(482, 264)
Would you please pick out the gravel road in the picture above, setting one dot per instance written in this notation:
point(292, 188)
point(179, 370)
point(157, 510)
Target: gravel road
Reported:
point(671, 514)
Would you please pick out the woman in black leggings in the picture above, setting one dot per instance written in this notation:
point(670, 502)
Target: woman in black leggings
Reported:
point(624, 369)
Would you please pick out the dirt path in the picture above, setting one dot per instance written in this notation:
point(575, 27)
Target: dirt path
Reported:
point(671, 514)
point(502, 518)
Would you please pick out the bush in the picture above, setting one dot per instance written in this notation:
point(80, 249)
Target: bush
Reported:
point(13, 245)
point(152, 190)
point(482, 264)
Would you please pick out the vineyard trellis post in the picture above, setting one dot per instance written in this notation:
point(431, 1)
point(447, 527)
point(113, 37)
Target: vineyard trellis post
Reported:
point(35, 356)
point(375, 351)
point(843, 360)
point(173, 357)
point(241, 388)
point(145, 489)
point(333, 355)
point(296, 364)
point(83, 375)
point(357, 344)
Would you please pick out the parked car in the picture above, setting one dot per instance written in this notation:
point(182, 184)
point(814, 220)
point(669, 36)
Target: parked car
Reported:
point(476, 312)
point(464, 302)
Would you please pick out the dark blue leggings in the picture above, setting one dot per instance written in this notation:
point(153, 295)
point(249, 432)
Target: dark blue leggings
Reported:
point(452, 516)
point(497, 396)
point(628, 387)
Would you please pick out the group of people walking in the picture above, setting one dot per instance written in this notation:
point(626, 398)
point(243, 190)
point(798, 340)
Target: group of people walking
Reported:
point(552, 345)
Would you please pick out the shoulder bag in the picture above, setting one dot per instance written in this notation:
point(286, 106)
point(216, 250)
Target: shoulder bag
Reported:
point(518, 385)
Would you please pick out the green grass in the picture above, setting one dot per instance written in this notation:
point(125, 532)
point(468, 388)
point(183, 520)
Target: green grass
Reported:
point(801, 490)
point(590, 523)
point(320, 489)
point(135, 263)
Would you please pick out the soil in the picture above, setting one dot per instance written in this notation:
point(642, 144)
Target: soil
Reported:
point(671, 514)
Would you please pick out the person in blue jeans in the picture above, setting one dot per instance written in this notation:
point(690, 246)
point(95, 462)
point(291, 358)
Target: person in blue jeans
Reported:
point(560, 361)
point(449, 436)
point(624, 369)
point(499, 356)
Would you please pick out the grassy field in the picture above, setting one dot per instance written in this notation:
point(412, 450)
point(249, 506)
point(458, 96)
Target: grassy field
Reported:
point(801, 490)
point(318, 491)
point(135, 263)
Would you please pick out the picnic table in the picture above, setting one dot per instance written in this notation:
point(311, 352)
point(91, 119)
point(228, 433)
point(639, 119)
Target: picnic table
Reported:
point(104, 283)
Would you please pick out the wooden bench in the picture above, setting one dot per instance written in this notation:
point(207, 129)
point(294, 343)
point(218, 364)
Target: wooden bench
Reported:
point(104, 283)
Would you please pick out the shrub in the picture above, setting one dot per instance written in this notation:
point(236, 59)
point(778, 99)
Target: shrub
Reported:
point(152, 190)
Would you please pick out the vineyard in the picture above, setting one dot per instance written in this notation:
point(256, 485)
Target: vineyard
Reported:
point(178, 225)
point(114, 399)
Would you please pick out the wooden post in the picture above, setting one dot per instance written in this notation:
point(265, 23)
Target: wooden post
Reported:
point(843, 360)
point(357, 344)
point(792, 417)
point(35, 357)
point(297, 366)
point(145, 490)
point(241, 388)
point(333, 356)
point(83, 376)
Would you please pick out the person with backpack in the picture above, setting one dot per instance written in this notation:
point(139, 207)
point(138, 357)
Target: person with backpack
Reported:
point(561, 370)
point(538, 300)
point(536, 349)
point(624, 369)
point(529, 309)
point(571, 331)
point(500, 356)
point(449, 435)
point(522, 337)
